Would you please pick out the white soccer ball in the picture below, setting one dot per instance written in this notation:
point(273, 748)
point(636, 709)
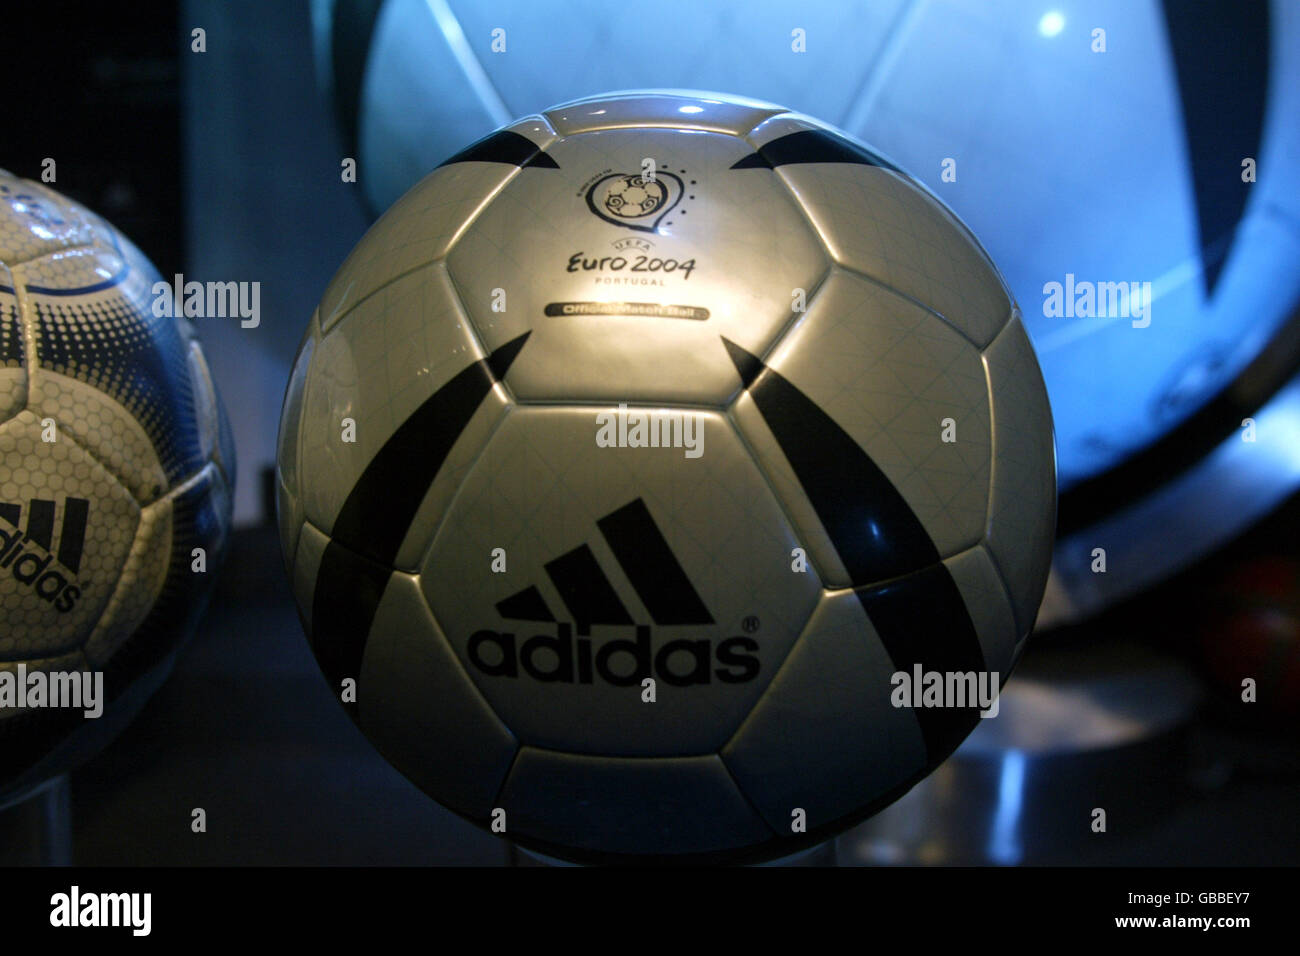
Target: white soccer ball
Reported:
point(115, 464)
point(618, 522)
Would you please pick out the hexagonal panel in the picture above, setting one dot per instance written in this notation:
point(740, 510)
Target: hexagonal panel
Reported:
point(825, 737)
point(403, 348)
point(638, 805)
point(66, 528)
point(1022, 505)
point(418, 706)
point(619, 563)
point(109, 431)
point(113, 373)
point(867, 364)
point(880, 223)
point(627, 285)
point(140, 582)
point(420, 227)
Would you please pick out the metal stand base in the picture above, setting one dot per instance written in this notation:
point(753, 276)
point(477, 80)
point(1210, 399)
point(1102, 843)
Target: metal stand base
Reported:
point(1081, 729)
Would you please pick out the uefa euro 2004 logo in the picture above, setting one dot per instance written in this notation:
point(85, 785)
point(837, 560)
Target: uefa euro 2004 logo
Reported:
point(631, 197)
point(635, 200)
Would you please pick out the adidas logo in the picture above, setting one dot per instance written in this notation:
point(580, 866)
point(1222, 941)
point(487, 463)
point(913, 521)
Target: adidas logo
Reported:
point(663, 587)
point(29, 554)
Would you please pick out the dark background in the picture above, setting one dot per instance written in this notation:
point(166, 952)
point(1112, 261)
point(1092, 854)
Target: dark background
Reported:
point(192, 160)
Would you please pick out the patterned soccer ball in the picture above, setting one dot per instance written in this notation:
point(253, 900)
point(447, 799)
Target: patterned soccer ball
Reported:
point(617, 531)
point(115, 464)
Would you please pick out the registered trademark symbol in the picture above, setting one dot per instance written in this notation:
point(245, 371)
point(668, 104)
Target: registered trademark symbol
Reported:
point(750, 624)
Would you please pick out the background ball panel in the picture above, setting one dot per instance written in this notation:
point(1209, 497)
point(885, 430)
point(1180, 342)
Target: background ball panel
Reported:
point(1022, 505)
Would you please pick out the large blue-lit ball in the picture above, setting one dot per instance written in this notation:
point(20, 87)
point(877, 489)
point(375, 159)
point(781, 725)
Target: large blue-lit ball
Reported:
point(1160, 151)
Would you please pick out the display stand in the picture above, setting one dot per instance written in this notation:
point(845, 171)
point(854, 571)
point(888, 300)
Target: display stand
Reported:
point(1081, 729)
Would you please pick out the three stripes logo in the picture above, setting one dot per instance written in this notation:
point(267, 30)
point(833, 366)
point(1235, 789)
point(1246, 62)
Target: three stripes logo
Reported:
point(561, 656)
point(916, 608)
point(32, 555)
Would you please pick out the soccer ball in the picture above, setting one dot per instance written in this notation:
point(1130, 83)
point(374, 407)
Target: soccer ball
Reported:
point(115, 465)
point(621, 526)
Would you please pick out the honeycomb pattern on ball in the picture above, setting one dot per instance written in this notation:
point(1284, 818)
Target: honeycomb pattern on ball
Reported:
point(114, 462)
point(105, 429)
point(143, 574)
point(41, 484)
point(113, 343)
point(82, 296)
